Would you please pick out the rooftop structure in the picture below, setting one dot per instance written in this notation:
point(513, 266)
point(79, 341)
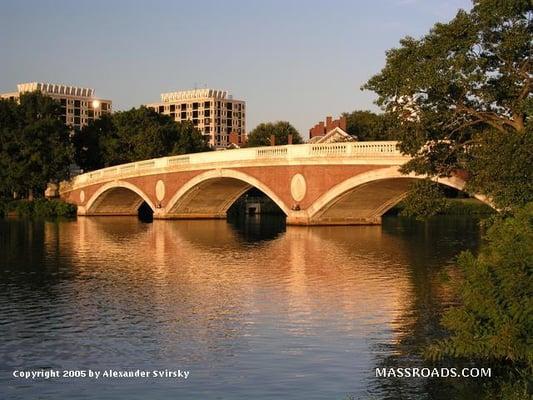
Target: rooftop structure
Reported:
point(321, 129)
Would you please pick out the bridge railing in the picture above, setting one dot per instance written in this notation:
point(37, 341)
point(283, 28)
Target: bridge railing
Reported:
point(318, 152)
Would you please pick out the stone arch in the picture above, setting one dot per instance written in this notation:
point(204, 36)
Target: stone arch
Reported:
point(117, 198)
point(364, 198)
point(210, 194)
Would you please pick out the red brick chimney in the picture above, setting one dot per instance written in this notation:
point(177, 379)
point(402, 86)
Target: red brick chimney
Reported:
point(329, 124)
point(342, 123)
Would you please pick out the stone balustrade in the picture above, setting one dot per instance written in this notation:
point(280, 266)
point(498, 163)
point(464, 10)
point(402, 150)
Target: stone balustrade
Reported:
point(380, 153)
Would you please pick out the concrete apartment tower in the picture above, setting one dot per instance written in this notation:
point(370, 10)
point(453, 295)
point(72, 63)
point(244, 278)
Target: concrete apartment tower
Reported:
point(220, 118)
point(78, 105)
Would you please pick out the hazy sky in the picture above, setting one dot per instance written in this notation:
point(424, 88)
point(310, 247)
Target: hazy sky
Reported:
point(289, 60)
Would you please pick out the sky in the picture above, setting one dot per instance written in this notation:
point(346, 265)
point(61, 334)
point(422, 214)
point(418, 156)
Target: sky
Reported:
point(296, 61)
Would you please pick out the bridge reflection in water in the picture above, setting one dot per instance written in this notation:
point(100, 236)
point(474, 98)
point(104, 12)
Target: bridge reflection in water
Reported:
point(303, 311)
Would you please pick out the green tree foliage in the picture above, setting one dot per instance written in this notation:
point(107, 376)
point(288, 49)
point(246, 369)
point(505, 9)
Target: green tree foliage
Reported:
point(134, 135)
point(455, 89)
point(424, 200)
point(89, 152)
point(366, 125)
point(34, 144)
point(502, 165)
point(260, 136)
point(9, 126)
point(495, 320)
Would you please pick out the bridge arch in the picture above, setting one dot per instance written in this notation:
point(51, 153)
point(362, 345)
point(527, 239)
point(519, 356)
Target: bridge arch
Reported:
point(117, 198)
point(366, 197)
point(211, 193)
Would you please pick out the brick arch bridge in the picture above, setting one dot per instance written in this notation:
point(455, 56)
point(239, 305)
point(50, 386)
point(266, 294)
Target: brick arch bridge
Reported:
point(313, 184)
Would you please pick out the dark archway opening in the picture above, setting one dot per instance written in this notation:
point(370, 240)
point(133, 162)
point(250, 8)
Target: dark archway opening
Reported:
point(256, 217)
point(145, 212)
point(255, 203)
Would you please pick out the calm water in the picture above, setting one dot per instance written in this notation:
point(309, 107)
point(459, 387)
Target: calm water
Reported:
point(254, 310)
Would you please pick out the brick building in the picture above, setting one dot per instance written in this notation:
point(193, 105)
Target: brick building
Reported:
point(322, 128)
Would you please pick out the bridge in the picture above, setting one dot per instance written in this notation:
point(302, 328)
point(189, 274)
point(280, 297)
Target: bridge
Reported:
point(349, 183)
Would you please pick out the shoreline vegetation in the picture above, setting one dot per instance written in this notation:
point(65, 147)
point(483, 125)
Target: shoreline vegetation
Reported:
point(56, 208)
point(37, 208)
point(452, 206)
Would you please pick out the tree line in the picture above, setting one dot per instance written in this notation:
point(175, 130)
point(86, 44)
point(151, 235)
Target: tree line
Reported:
point(460, 99)
point(36, 147)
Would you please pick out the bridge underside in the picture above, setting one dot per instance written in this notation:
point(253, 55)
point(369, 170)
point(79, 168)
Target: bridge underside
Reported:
point(116, 201)
point(364, 204)
point(209, 199)
point(349, 203)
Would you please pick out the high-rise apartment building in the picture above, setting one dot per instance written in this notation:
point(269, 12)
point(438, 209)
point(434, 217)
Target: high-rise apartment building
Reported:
point(214, 112)
point(78, 105)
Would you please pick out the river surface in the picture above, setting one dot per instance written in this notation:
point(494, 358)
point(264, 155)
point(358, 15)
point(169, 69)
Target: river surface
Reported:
point(251, 308)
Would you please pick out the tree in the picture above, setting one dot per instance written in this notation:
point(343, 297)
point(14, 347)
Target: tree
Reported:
point(281, 130)
point(461, 98)
point(366, 125)
point(9, 125)
point(190, 140)
point(134, 135)
point(456, 89)
point(89, 153)
point(35, 147)
point(495, 319)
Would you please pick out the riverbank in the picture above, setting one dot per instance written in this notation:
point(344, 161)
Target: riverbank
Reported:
point(456, 207)
point(39, 208)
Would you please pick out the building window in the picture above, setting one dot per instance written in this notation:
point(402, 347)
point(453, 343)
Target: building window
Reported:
point(172, 107)
point(229, 106)
point(161, 109)
point(195, 106)
point(207, 104)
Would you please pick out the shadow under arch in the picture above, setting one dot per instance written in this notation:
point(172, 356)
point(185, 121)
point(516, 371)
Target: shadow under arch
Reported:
point(366, 197)
point(211, 194)
point(117, 198)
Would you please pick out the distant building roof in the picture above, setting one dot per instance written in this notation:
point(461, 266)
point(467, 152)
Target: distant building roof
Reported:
point(54, 88)
point(194, 94)
point(336, 135)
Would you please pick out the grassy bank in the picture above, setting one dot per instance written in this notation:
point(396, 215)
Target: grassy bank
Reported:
point(457, 207)
point(38, 208)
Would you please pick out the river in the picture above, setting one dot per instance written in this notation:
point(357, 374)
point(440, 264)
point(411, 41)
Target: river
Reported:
point(252, 309)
